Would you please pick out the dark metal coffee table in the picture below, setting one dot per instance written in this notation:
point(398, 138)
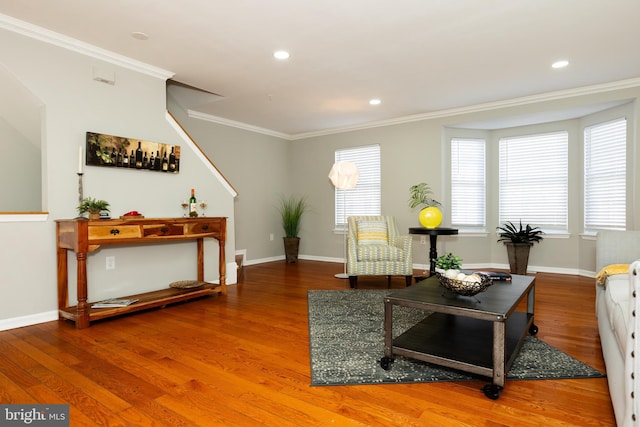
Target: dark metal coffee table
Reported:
point(481, 334)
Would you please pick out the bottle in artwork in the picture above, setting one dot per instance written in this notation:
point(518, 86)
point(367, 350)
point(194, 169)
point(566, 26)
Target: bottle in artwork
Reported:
point(157, 163)
point(125, 159)
point(165, 162)
point(139, 156)
point(152, 161)
point(193, 204)
point(172, 160)
point(132, 160)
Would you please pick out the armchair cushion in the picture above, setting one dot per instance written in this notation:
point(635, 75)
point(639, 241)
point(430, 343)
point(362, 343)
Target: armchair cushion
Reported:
point(379, 253)
point(372, 232)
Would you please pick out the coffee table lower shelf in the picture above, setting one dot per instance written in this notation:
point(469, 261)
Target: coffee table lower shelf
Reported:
point(460, 343)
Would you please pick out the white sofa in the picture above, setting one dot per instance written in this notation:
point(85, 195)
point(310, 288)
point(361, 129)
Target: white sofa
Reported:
point(617, 302)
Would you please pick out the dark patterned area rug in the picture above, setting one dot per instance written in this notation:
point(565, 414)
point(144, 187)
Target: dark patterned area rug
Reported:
point(347, 342)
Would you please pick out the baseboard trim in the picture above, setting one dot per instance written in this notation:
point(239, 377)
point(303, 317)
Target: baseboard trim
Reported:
point(32, 319)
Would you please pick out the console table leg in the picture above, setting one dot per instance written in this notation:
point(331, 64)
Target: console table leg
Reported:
point(82, 312)
point(201, 259)
point(222, 264)
point(63, 280)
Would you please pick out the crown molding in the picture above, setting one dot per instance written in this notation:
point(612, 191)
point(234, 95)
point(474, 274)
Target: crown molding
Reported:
point(33, 31)
point(51, 37)
point(240, 125)
point(507, 103)
point(514, 102)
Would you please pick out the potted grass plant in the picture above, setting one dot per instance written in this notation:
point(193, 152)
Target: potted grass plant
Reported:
point(519, 240)
point(291, 210)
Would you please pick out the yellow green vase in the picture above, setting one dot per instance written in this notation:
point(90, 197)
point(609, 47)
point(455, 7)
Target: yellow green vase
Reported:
point(430, 217)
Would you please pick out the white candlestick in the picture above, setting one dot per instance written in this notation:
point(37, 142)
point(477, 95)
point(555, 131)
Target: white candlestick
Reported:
point(80, 160)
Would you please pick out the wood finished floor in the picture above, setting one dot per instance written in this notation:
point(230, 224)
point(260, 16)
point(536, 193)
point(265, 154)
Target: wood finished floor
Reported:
point(243, 360)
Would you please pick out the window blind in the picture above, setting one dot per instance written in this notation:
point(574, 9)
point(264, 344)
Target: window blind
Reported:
point(605, 160)
point(533, 180)
point(365, 198)
point(468, 183)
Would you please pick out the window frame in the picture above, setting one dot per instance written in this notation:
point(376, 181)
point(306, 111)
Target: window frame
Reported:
point(538, 165)
point(365, 198)
point(458, 186)
point(607, 176)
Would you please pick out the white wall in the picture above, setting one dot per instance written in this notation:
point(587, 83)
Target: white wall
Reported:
point(416, 151)
point(261, 170)
point(262, 166)
point(135, 106)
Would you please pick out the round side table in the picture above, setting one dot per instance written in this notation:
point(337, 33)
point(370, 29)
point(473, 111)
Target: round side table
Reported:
point(433, 238)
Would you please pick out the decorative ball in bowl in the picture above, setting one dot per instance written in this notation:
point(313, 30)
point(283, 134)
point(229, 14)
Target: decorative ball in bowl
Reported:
point(464, 284)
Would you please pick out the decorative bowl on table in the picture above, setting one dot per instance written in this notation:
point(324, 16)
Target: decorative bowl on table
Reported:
point(466, 285)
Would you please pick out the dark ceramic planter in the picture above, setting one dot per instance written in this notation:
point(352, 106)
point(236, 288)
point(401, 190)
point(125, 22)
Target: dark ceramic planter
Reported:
point(291, 247)
point(518, 257)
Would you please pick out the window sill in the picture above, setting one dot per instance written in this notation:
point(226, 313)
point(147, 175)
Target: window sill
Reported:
point(23, 216)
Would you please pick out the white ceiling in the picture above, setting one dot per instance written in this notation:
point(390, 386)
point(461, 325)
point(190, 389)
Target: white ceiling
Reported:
point(417, 56)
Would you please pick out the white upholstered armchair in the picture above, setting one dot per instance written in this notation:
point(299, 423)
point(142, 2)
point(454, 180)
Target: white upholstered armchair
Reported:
point(375, 248)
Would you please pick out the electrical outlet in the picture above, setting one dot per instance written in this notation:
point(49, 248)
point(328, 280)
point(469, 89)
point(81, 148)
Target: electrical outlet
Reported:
point(111, 263)
point(423, 240)
point(271, 236)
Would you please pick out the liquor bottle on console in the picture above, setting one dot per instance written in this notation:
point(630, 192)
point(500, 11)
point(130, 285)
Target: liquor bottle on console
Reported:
point(193, 204)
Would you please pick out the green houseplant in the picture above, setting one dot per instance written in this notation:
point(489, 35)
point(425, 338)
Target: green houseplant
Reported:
point(420, 196)
point(518, 240)
point(93, 206)
point(291, 210)
point(449, 261)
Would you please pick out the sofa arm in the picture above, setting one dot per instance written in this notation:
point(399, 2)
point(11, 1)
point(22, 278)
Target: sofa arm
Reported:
point(632, 358)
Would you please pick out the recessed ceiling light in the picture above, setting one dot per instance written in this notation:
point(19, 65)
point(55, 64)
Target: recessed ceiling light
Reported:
point(281, 54)
point(139, 35)
point(375, 102)
point(560, 64)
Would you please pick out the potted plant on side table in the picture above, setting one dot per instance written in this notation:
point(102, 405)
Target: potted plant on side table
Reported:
point(291, 210)
point(93, 206)
point(420, 195)
point(518, 241)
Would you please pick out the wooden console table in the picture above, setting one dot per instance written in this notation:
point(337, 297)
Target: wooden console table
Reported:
point(84, 236)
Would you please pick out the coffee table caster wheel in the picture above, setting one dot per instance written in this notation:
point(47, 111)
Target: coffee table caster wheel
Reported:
point(533, 329)
point(492, 391)
point(385, 363)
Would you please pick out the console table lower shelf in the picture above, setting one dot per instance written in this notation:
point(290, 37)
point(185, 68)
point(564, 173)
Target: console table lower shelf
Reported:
point(145, 301)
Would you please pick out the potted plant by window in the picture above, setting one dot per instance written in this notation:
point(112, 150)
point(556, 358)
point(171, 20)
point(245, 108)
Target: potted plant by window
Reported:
point(518, 241)
point(430, 216)
point(291, 210)
point(93, 206)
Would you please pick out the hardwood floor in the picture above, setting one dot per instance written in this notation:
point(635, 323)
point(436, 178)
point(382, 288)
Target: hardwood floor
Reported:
point(243, 360)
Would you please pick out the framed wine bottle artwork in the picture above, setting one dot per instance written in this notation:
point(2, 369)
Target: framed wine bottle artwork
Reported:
point(129, 153)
